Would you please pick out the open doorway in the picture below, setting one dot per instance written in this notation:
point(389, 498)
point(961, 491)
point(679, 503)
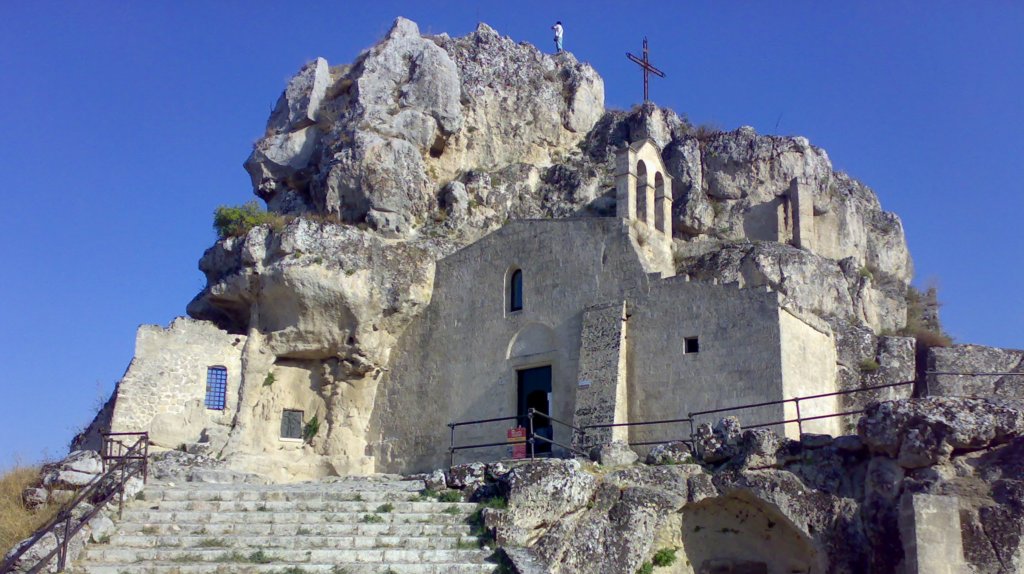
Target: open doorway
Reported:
point(534, 392)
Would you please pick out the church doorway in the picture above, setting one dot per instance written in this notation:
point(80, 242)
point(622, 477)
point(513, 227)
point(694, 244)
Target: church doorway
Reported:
point(534, 391)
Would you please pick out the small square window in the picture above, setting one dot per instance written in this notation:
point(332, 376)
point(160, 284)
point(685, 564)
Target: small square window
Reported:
point(691, 345)
point(291, 424)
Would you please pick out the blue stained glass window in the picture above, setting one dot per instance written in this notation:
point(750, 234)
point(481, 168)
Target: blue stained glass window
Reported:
point(216, 388)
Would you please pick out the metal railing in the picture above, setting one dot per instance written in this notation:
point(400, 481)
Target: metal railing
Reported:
point(799, 419)
point(127, 463)
point(531, 439)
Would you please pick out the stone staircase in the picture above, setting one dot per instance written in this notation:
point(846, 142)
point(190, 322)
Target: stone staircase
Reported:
point(354, 525)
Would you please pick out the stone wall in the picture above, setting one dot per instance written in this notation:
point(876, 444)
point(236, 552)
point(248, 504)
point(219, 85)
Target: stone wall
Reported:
point(164, 389)
point(969, 361)
point(808, 355)
point(737, 362)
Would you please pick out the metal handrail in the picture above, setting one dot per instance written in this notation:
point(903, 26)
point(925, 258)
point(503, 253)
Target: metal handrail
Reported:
point(530, 438)
point(799, 420)
point(123, 468)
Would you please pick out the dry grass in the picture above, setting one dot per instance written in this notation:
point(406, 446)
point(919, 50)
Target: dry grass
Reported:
point(17, 522)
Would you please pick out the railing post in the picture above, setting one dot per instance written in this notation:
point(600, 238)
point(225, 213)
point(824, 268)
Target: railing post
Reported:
point(799, 422)
point(451, 446)
point(120, 504)
point(533, 447)
point(62, 552)
point(145, 459)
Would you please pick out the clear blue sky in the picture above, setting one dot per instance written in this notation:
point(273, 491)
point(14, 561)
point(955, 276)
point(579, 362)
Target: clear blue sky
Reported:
point(126, 124)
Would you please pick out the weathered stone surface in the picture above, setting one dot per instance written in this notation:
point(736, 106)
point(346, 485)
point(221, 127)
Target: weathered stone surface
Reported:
point(669, 453)
point(34, 497)
point(927, 431)
point(539, 491)
point(466, 475)
point(718, 443)
point(299, 104)
point(615, 453)
point(930, 529)
point(975, 359)
point(811, 282)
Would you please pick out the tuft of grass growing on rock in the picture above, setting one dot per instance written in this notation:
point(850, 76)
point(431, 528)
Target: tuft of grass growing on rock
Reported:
point(664, 557)
point(386, 507)
point(16, 521)
point(238, 220)
point(371, 519)
point(868, 366)
point(450, 496)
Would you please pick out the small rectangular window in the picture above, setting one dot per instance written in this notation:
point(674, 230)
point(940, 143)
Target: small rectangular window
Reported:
point(291, 424)
point(691, 345)
point(216, 388)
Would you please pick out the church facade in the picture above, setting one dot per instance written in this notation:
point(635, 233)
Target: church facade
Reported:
point(584, 319)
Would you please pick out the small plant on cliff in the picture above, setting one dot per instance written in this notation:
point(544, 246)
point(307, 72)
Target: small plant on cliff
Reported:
point(664, 557)
point(312, 427)
point(386, 507)
point(645, 568)
point(269, 380)
point(868, 366)
point(236, 221)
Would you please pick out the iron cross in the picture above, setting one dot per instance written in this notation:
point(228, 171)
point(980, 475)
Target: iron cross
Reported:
point(646, 65)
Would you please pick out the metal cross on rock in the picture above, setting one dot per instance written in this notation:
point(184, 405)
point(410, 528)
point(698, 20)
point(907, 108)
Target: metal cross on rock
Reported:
point(647, 66)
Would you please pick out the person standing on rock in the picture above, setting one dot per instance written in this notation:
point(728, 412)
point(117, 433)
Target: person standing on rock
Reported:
point(558, 36)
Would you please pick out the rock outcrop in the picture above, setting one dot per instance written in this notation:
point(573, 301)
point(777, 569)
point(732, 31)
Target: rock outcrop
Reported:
point(753, 501)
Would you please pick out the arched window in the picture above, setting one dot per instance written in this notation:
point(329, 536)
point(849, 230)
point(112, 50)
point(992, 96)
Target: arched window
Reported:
point(659, 195)
point(216, 388)
point(641, 191)
point(515, 291)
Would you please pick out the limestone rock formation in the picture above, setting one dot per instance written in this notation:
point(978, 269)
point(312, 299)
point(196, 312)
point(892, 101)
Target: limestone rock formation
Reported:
point(374, 141)
point(822, 504)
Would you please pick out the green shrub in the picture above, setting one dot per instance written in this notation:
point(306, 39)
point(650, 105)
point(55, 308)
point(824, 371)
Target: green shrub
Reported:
point(645, 568)
point(450, 496)
point(312, 427)
point(371, 519)
point(268, 380)
point(451, 510)
point(236, 221)
point(664, 557)
point(386, 507)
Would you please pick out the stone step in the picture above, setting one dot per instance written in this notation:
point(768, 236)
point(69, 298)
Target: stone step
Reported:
point(170, 528)
point(109, 554)
point(228, 495)
point(306, 568)
point(198, 517)
point(305, 506)
point(300, 541)
point(255, 492)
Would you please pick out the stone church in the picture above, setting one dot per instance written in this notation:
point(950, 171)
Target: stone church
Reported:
point(457, 229)
point(582, 318)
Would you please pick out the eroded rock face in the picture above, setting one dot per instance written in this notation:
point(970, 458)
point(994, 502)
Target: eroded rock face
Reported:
point(926, 432)
point(375, 141)
point(817, 505)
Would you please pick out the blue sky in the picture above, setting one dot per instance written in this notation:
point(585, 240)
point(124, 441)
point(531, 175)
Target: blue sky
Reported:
point(126, 124)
